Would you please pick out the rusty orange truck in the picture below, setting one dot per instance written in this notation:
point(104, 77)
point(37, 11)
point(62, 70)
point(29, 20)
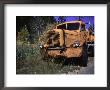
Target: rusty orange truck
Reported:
point(69, 40)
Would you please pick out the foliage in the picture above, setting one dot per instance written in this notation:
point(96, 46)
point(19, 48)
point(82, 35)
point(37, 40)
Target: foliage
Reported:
point(34, 24)
point(23, 35)
point(29, 61)
point(43, 36)
point(91, 28)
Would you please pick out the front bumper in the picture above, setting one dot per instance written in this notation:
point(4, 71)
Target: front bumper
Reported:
point(67, 52)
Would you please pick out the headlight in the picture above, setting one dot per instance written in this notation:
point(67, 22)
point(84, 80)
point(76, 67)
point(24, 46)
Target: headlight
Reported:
point(76, 44)
point(41, 46)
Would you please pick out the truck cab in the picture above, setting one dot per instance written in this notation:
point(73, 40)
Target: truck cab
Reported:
point(68, 40)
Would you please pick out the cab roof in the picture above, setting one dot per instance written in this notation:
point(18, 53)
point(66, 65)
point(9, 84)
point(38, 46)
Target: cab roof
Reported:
point(72, 22)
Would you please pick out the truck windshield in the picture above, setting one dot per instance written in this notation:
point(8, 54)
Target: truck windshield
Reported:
point(73, 26)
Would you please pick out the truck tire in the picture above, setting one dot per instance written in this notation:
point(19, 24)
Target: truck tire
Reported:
point(84, 57)
point(91, 51)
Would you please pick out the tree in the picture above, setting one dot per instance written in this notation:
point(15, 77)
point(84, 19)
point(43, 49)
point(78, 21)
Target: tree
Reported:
point(23, 34)
point(91, 28)
point(21, 21)
point(35, 25)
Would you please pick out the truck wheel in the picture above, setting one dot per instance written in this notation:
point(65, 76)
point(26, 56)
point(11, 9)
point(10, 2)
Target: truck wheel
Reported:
point(91, 51)
point(84, 57)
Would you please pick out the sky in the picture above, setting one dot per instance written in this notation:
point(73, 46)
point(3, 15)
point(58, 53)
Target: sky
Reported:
point(87, 19)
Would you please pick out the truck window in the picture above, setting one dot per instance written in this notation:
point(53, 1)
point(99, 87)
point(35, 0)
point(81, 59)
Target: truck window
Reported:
point(73, 26)
point(83, 27)
point(63, 26)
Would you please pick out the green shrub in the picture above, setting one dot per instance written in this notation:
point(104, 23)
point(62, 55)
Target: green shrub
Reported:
point(23, 34)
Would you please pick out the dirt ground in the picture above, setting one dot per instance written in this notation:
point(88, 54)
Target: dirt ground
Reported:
point(83, 70)
point(90, 67)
